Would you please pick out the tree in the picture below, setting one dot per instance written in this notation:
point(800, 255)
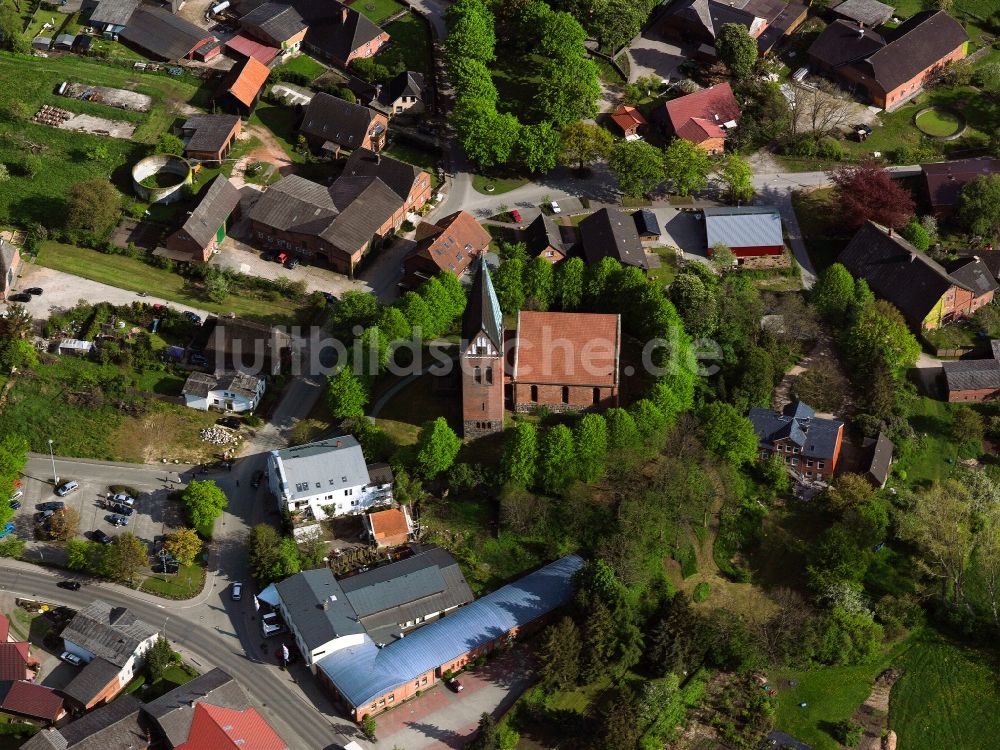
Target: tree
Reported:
point(738, 176)
point(967, 427)
point(728, 434)
point(520, 455)
point(486, 734)
point(867, 192)
point(456, 292)
point(439, 305)
point(774, 474)
point(582, 143)
point(560, 654)
point(537, 148)
point(882, 335)
point(508, 283)
point(590, 436)
point(471, 32)
point(369, 727)
point(84, 555)
point(93, 206)
point(417, 314)
point(204, 501)
point(184, 545)
point(63, 526)
point(569, 284)
point(695, 304)
point(17, 355)
point(346, 394)
point(539, 277)
point(271, 556)
point(978, 206)
point(556, 466)
point(736, 49)
point(355, 308)
point(819, 109)
point(916, 235)
point(848, 491)
point(622, 432)
point(437, 446)
point(124, 557)
point(687, 166)
point(488, 137)
point(637, 166)
point(216, 285)
point(617, 727)
point(159, 656)
point(833, 294)
point(168, 143)
point(569, 90)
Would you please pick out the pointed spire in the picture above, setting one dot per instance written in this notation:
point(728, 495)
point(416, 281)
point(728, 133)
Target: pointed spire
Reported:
point(483, 311)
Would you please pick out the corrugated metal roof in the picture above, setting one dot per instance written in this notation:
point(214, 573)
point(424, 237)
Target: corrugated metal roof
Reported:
point(361, 673)
point(745, 226)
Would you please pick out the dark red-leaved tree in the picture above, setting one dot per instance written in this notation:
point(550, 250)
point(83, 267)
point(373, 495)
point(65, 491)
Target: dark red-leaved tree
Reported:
point(868, 192)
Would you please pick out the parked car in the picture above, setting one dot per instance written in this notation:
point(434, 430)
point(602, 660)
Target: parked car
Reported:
point(233, 423)
point(271, 256)
point(555, 207)
point(270, 625)
point(8, 529)
point(20, 297)
point(70, 585)
point(198, 360)
point(292, 263)
point(193, 317)
point(515, 214)
point(15, 504)
point(123, 499)
point(281, 257)
point(123, 510)
point(52, 505)
point(71, 658)
point(100, 536)
point(455, 685)
point(35, 290)
point(258, 476)
point(116, 519)
point(67, 487)
point(237, 593)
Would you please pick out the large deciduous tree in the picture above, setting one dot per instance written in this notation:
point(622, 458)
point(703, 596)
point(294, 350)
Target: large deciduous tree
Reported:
point(867, 192)
point(437, 446)
point(591, 439)
point(520, 455)
point(687, 166)
point(557, 466)
point(738, 177)
point(582, 143)
point(728, 434)
point(124, 557)
point(979, 206)
point(637, 166)
point(569, 284)
point(695, 303)
point(183, 544)
point(93, 206)
point(204, 501)
point(833, 294)
point(736, 49)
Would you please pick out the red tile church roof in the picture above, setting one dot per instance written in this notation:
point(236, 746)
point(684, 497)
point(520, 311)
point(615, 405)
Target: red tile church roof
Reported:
point(567, 348)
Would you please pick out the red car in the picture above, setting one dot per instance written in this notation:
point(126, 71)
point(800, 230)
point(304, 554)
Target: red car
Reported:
point(282, 257)
point(515, 215)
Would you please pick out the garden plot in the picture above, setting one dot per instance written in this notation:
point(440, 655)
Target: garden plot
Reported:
point(120, 98)
point(60, 118)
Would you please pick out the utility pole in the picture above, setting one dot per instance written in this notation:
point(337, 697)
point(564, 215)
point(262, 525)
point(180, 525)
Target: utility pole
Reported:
point(52, 455)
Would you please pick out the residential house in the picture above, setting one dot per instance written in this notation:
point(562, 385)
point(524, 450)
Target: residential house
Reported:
point(327, 478)
point(973, 380)
point(338, 224)
point(566, 361)
point(210, 137)
point(231, 344)
point(16, 661)
point(944, 181)
point(449, 244)
point(108, 16)
point(543, 238)
point(381, 605)
point(389, 528)
point(629, 121)
point(702, 118)
point(809, 445)
point(113, 642)
point(403, 94)
point(870, 13)
point(243, 47)
point(160, 35)
point(211, 712)
point(337, 33)
point(205, 228)
point(331, 123)
point(367, 677)
point(10, 267)
point(647, 225)
point(276, 25)
point(876, 459)
point(698, 22)
point(118, 724)
point(749, 231)
point(241, 88)
point(889, 70)
point(611, 233)
point(35, 704)
point(926, 293)
point(412, 184)
point(234, 391)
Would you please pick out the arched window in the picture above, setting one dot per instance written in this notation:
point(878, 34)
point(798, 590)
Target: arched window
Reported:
point(477, 375)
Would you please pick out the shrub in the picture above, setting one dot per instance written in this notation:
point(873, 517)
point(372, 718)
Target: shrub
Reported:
point(830, 148)
point(701, 592)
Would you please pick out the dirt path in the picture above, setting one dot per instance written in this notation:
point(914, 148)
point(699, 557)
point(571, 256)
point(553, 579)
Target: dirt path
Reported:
point(821, 353)
point(269, 151)
point(873, 714)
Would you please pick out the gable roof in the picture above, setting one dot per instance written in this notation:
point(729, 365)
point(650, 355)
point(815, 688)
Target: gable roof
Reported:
point(14, 660)
point(398, 175)
point(90, 681)
point(743, 226)
point(210, 131)
point(113, 12)
point(973, 274)
point(247, 47)
point(366, 204)
point(842, 42)
point(709, 16)
point(868, 12)
point(278, 21)
point(173, 712)
point(366, 671)
point(897, 271)
point(112, 633)
point(334, 119)
point(879, 458)
point(971, 374)
point(919, 43)
point(626, 118)
point(452, 242)
point(386, 523)
point(646, 222)
point(946, 179)
point(115, 725)
point(611, 233)
point(29, 699)
point(815, 436)
point(560, 348)
point(322, 466)
point(317, 607)
point(218, 201)
point(699, 116)
point(162, 34)
point(216, 728)
point(482, 313)
point(406, 83)
point(335, 29)
point(295, 204)
point(543, 233)
point(246, 80)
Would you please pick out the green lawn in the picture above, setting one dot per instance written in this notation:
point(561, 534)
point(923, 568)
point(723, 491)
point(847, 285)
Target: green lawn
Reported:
point(305, 65)
point(409, 44)
point(935, 453)
point(129, 273)
point(280, 120)
point(938, 122)
point(500, 184)
point(377, 10)
point(187, 583)
point(668, 266)
point(419, 157)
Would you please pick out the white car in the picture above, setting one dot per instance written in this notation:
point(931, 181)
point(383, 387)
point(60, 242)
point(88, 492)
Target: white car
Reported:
point(555, 207)
point(269, 625)
point(237, 591)
point(71, 658)
point(124, 499)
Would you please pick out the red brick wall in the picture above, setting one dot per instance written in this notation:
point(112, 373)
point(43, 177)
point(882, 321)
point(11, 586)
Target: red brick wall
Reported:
point(898, 95)
point(580, 397)
point(713, 145)
point(974, 396)
point(482, 402)
point(753, 252)
point(369, 49)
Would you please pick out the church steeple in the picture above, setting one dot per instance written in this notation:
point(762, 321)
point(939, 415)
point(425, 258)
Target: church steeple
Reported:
point(482, 360)
point(482, 314)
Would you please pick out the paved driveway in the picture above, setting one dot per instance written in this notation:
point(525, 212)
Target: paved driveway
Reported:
point(653, 55)
point(63, 290)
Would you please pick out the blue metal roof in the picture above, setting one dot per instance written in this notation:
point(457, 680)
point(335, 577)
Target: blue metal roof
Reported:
point(365, 671)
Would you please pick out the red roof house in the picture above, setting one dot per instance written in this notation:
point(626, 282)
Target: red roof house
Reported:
point(16, 662)
point(241, 89)
point(628, 119)
point(217, 728)
point(449, 244)
point(33, 701)
point(247, 47)
point(4, 628)
point(703, 118)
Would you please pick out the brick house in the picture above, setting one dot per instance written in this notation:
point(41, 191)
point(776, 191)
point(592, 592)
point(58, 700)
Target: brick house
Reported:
point(330, 124)
point(889, 70)
point(702, 118)
point(698, 22)
point(10, 267)
point(973, 380)
point(542, 238)
point(448, 244)
point(809, 445)
point(204, 230)
point(210, 137)
point(412, 184)
point(16, 661)
point(242, 86)
point(119, 724)
point(33, 703)
point(337, 33)
point(629, 120)
point(277, 25)
point(928, 294)
point(943, 181)
point(612, 233)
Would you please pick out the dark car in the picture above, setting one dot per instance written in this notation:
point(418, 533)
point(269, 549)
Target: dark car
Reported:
point(35, 290)
point(292, 263)
point(198, 360)
point(20, 297)
point(52, 505)
point(257, 477)
point(116, 519)
point(193, 317)
point(455, 685)
point(233, 423)
point(271, 257)
point(123, 510)
point(71, 585)
point(100, 536)
point(15, 504)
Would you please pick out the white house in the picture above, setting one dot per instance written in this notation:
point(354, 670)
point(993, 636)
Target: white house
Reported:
point(327, 478)
point(231, 391)
point(112, 642)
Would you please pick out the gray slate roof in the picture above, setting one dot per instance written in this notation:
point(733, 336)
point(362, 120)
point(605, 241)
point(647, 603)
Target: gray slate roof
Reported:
point(543, 233)
point(161, 34)
point(118, 724)
point(973, 274)
point(363, 672)
point(113, 12)
point(332, 36)
point(398, 175)
point(841, 42)
point(323, 467)
point(217, 203)
point(112, 633)
point(91, 680)
point(201, 384)
point(279, 21)
point(916, 45)
point(482, 312)
point(646, 222)
point(879, 458)
point(334, 119)
point(816, 437)
point(210, 131)
point(317, 607)
point(972, 375)
point(610, 233)
point(869, 12)
point(406, 83)
point(743, 226)
point(173, 712)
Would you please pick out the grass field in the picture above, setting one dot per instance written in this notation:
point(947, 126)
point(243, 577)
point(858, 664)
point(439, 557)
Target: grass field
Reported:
point(409, 44)
point(305, 65)
point(280, 120)
point(500, 184)
point(938, 122)
point(184, 585)
point(936, 453)
point(668, 266)
point(377, 10)
point(418, 157)
point(129, 273)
